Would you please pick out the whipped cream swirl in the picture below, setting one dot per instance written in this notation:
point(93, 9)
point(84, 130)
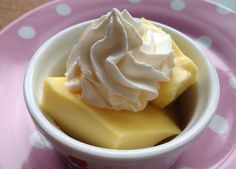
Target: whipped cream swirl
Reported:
point(118, 62)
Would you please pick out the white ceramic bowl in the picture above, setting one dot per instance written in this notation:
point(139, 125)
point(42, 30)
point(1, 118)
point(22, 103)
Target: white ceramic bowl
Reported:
point(50, 60)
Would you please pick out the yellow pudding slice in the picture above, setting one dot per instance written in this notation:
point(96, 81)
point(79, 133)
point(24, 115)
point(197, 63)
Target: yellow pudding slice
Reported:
point(183, 75)
point(105, 128)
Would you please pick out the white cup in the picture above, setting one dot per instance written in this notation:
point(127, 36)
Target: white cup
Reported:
point(50, 60)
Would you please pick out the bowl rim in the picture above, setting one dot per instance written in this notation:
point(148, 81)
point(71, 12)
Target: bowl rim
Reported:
point(73, 145)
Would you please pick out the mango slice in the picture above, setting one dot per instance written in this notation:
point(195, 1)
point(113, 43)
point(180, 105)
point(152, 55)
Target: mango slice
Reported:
point(105, 128)
point(183, 75)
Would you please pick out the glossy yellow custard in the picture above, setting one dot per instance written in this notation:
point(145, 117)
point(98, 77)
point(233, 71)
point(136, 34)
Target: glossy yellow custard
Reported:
point(105, 128)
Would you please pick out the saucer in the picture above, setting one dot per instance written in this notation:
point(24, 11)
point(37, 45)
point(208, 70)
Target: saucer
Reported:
point(211, 26)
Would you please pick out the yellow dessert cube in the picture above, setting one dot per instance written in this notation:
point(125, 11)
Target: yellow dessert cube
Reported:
point(105, 128)
point(183, 75)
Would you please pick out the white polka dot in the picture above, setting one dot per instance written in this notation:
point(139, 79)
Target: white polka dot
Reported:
point(219, 124)
point(134, 1)
point(204, 41)
point(184, 168)
point(222, 11)
point(177, 5)
point(26, 32)
point(63, 9)
point(37, 140)
point(232, 82)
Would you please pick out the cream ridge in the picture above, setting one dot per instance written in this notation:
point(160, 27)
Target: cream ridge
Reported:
point(118, 63)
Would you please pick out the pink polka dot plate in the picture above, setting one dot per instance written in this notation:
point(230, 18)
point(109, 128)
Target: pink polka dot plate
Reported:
point(212, 27)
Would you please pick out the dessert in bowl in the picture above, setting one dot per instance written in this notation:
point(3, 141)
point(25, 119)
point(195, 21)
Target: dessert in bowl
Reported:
point(123, 89)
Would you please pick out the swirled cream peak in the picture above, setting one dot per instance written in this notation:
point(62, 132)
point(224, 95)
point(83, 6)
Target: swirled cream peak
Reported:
point(118, 62)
